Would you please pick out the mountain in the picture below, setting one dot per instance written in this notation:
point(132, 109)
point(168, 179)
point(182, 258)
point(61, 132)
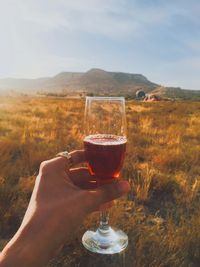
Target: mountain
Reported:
point(92, 81)
point(176, 93)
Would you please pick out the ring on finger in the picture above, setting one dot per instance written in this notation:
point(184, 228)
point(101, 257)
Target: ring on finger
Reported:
point(66, 155)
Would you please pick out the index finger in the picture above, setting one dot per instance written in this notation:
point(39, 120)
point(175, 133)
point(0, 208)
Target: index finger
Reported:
point(60, 164)
point(77, 157)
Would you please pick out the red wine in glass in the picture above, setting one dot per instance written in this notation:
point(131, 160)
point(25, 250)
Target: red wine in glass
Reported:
point(105, 156)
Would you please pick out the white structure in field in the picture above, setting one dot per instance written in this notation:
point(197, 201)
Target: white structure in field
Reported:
point(140, 94)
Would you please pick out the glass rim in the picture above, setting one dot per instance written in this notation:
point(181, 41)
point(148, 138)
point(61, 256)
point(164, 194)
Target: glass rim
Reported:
point(106, 97)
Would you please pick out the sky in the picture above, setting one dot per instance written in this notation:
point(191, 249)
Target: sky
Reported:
point(157, 38)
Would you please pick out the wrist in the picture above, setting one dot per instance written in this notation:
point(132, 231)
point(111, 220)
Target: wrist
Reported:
point(29, 246)
point(20, 252)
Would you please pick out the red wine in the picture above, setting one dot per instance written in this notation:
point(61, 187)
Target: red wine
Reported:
point(105, 155)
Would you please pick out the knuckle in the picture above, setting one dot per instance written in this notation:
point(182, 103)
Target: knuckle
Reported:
point(44, 166)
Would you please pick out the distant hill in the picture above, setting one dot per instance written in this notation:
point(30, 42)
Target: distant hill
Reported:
point(94, 81)
point(176, 93)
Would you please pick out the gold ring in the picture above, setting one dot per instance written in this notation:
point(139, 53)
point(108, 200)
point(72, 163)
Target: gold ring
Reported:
point(66, 155)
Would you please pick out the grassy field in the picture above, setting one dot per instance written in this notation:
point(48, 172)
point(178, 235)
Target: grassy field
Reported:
point(161, 214)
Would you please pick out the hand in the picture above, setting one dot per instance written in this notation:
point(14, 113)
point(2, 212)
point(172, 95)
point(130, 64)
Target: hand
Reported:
point(61, 199)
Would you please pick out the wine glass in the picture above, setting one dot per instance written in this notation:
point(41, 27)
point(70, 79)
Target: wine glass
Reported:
point(105, 147)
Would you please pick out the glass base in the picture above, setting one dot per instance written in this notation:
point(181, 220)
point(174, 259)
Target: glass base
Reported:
point(105, 242)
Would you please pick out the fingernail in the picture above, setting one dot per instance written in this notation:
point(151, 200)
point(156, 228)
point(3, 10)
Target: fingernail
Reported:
point(123, 187)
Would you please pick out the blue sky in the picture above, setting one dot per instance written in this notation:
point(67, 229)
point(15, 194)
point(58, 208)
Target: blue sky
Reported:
point(157, 38)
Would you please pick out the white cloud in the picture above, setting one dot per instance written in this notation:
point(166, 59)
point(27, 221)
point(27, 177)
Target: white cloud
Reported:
point(99, 17)
point(112, 18)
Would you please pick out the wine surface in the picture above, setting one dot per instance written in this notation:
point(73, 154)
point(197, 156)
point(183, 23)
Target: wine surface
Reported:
point(105, 155)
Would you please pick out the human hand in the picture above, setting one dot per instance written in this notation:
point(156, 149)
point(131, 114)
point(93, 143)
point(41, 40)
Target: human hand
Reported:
point(61, 199)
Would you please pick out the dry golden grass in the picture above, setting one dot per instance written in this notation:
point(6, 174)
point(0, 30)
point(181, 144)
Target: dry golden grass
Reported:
point(161, 214)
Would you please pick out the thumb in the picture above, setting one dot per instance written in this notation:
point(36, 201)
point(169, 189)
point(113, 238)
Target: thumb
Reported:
point(108, 193)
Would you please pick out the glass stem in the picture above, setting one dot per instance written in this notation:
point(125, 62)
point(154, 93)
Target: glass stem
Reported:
point(103, 225)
